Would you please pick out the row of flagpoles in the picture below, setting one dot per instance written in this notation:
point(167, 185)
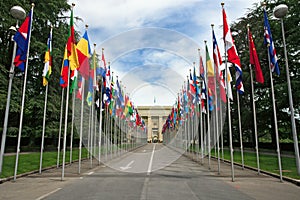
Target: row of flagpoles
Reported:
point(213, 88)
point(106, 100)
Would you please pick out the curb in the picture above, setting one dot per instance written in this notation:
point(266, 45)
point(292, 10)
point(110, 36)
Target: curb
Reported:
point(3, 180)
point(285, 178)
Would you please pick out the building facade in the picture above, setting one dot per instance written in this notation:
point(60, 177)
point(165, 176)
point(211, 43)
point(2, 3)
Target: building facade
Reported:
point(154, 117)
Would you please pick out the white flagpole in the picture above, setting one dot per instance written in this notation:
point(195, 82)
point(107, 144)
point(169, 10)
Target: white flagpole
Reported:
point(201, 119)
point(100, 126)
point(11, 76)
point(275, 121)
point(60, 126)
point(229, 112)
point(72, 123)
point(208, 114)
point(229, 123)
point(216, 73)
point(81, 124)
point(45, 110)
point(43, 133)
point(254, 119)
point(91, 135)
point(66, 122)
point(106, 129)
point(240, 128)
point(274, 110)
point(23, 98)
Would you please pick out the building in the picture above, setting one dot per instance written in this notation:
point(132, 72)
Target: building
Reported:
point(154, 117)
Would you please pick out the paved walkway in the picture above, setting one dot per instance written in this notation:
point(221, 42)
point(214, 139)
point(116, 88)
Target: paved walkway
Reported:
point(182, 179)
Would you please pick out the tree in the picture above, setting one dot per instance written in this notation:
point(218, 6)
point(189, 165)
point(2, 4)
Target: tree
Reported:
point(254, 18)
point(45, 13)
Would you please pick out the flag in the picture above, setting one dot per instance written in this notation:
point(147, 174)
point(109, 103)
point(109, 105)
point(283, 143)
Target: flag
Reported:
point(203, 96)
point(71, 46)
point(107, 93)
point(195, 83)
point(210, 71)
point(84, 52)
point(48, 60)
point(91, 79)
point(64, 76)
point(201, 67)
point(229, 80)
point(232, 54)
point(73, 77)
point(254, 59)
point(269, 42)
point(79, 91)
point(22, 38)
point(219, 70)
point(101, 70)
point(211, 84)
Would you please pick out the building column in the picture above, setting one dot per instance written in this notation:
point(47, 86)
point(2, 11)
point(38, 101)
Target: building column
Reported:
point(160, 125)
point(149, 129)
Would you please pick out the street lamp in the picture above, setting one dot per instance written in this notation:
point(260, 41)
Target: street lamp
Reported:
point(18, 13)
point(279, 12)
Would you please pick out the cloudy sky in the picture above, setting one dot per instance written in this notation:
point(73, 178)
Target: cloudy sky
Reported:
point(152, 44)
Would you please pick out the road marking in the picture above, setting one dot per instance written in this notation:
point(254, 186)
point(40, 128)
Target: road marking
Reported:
point(90, 173)
point(144, 150)
point(144, 193)
point(127, 166)
point(151, 160)
point(48, 194)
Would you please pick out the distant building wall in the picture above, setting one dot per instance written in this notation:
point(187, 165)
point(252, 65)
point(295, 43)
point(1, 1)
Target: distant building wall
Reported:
point(154, 117)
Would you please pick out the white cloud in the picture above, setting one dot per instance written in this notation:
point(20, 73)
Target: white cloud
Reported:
point(122, 27)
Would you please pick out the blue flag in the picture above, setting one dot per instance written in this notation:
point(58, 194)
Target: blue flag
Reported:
point(22, 39)
point(269, 42)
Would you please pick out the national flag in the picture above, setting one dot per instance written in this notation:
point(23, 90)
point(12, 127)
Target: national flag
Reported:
point(48, 60)
point(203, 96)
point(64, 75)
point(84, 52)
point(219, 70)
point(195, 83)
point(107, 93)
point(211, 80)
point(73, 77)
point(101, 70)
point(71, 46)
point(229, 80)
point(79, 91)
point(22, 38)
point(269, 42)
point(232, 55)
point(254, 59)
point(91, 79)
point(201, 67)
point(210, 72)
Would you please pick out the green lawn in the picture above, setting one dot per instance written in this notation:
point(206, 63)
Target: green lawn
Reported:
point(31, 161)
point(267, 162)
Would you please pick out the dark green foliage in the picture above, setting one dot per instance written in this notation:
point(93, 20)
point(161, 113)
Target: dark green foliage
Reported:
point(264, 108)
point(45, 13)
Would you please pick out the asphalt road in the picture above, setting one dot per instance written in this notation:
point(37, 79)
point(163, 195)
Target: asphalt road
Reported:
point(149, 173)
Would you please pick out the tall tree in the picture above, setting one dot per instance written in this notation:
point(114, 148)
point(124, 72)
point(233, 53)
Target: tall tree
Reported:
point(254, 18)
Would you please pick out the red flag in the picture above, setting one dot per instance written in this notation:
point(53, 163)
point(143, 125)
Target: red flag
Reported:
point(71, 46)
point(232, 54)
point(218, 63)
point(22, 39)
point(254, 59)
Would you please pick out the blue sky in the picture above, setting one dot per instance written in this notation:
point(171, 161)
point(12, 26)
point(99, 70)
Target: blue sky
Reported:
point(152, 44)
